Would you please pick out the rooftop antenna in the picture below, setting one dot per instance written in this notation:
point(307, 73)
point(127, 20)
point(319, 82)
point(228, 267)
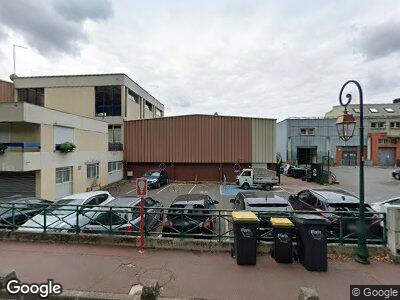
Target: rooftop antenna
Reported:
point(15, 57)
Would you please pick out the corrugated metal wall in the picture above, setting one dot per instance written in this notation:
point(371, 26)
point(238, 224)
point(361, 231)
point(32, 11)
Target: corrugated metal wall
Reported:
point(194, 139)
point(6, 91)
point(263, 140)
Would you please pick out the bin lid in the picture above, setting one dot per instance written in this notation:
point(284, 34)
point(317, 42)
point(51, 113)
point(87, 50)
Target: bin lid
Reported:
point(309, 219)
point(244, 216)
point(281, 222)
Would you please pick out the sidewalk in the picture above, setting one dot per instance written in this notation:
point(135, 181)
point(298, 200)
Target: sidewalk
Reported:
point(183, 274)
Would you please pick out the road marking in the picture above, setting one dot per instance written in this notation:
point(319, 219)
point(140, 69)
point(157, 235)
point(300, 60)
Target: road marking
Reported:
point(192, 189)
point(130, 191)
point(163, 189)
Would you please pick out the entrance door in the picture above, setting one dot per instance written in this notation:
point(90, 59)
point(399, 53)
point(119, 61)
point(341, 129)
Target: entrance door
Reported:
point(306, 155)
point(63, 182)
point(387, 156)
point(349, 156)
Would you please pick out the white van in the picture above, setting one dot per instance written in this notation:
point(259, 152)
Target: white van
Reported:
point(260, 178)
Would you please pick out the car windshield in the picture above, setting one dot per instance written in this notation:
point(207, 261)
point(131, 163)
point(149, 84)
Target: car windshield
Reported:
point(63, 207)
point(189, 211)
point(152, 174)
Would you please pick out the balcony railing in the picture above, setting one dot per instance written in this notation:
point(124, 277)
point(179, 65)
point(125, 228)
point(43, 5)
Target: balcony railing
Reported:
point(23, 146)
point(115, 147)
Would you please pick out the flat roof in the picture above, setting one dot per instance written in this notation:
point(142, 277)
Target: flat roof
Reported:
point(201, 115)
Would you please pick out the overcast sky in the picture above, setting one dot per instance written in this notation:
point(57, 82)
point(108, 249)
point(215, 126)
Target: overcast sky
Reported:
point(250, 58)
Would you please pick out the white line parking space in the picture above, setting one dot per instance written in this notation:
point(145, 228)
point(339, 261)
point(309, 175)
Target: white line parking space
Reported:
point(159, 191)
point(192, 189)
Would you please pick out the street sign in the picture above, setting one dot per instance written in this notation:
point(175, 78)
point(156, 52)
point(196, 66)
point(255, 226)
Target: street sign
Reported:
point(163, 167)
point(237, 168)
point(141, 186)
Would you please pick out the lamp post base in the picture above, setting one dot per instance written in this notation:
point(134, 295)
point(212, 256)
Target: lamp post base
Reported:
point(362, 260)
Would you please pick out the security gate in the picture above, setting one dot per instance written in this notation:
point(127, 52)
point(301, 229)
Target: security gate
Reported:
point(18, 184)
point(349, 157)
point(387, 156)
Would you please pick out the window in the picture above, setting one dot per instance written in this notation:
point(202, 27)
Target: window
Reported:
point(394, 124)
point(63, 134)
point(378, 125)
point(114, 134)
point(307, 131)
point(158, 112)
point(356, 110)
point(63, 175)
point(33, 96)
point(110, 218)
point(389, 110)
point(149, 106)
point(108, 100)
point(133, 96)
point(93, 171)
point(114, 166)
point(373, 110)
point(387, 141)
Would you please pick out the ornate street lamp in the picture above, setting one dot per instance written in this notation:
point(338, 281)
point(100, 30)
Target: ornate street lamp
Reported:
point(345, 125)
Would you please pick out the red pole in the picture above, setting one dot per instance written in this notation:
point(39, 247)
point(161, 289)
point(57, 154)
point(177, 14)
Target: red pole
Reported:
point(141, 225)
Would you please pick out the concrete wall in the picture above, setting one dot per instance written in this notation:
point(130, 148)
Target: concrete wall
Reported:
point(75, 100)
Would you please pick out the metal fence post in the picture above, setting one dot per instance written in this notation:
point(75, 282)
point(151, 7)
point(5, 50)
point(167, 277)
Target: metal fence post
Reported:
point(110, 227)
point(219, 226)
point(384, 236)
point(13, 216)
point(44, 219)
point(77, 219)
point(341, 229)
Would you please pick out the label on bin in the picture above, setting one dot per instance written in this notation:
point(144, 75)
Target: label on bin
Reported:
point(283, 237)
point(246, 232)
point(316, 234)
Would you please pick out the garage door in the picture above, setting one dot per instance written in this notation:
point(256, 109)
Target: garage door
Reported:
point(349, 156)
point(63, 182)
point(306, 155)
point(20, 184)
point(386, 156)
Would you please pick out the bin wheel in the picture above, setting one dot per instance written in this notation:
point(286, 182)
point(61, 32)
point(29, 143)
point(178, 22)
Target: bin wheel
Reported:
point(232, 252)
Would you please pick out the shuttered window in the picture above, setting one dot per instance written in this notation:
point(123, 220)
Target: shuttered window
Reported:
point(63, 134)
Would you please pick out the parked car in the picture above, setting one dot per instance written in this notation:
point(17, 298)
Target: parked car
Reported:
point(16, 212)
point(122, 215)
point(396, 173)
point(155, 178)
point(382, 205)
point(62, 215)
point(190, 214)
point(257, 178)
point(330, 202)
point(264, 206)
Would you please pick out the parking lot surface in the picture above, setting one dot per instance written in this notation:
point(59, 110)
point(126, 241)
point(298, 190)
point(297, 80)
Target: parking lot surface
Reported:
point(183, 274)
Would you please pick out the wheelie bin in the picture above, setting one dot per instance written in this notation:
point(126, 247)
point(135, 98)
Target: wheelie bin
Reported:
point(283, 246)
point(311, 237)
point(245, 224)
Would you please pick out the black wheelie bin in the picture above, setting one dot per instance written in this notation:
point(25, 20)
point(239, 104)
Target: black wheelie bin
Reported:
point(311, 237)
point(245, 224)
point(283, 246)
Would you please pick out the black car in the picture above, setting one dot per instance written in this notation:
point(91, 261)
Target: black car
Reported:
point(331, 203)
point(20, 210)
point(396, 174)
point(265, 207)
point(191, 214)
point(156, 178)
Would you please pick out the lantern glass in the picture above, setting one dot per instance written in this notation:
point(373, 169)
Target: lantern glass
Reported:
point(345, 126)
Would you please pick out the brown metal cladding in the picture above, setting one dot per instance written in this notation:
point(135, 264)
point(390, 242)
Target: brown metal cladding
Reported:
point(6, 91)
point(189, 139)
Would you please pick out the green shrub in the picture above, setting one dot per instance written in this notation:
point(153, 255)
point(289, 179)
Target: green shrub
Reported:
point(67, 147)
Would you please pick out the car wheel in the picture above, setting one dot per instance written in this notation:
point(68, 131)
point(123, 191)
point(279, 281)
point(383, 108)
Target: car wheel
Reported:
point(397, 176)
point(245, 186)
point(268, 187)
point(158, 185)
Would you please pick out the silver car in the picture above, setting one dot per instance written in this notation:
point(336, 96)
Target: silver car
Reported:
point(68, 214)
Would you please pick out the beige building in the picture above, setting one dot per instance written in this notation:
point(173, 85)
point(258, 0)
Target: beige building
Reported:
point(87, 110)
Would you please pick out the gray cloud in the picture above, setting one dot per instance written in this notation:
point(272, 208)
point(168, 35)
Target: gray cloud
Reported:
point(381, 40)
point(53, 26)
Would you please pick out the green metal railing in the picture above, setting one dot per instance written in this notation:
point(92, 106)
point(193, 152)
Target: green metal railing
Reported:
point(177, 222)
